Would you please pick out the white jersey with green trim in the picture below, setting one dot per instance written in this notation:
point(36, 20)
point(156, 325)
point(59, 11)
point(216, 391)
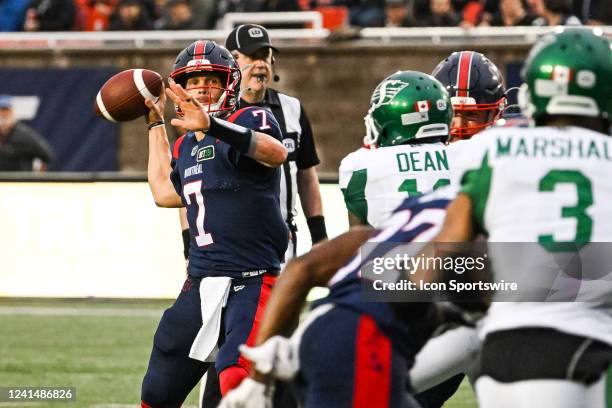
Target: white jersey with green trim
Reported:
point(375, 181)
point(551, 187)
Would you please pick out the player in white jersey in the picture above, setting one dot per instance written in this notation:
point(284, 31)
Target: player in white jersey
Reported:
point(551, 186)
point(404, 156)
point(478, 95)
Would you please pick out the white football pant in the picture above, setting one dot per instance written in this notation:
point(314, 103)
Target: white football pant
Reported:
point(540, 394)
point(445, 356)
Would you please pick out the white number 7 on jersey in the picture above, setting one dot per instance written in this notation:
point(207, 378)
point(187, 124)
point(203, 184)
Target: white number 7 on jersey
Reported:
point(195, 189)
point(264, 119)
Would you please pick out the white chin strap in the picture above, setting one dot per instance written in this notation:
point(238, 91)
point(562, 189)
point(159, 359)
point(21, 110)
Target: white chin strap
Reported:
point(372, 134)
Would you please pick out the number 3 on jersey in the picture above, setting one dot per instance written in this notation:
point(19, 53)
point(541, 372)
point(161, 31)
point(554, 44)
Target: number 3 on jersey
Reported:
point(584, 223)
point(195, 190)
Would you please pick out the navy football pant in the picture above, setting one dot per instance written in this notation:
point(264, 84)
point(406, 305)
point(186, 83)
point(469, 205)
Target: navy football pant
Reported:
point(171, 374)
point(346, 361)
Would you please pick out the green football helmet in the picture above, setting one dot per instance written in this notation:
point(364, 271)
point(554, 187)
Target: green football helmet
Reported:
point(568, 72)
point(405, 106)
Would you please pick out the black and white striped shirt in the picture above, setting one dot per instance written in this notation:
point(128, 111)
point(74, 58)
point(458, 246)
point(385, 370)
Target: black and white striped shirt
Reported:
point(297, 139)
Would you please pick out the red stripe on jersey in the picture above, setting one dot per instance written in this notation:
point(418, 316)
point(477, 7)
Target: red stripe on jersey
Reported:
point(463, 75)
point(177, 146)
point(372, 366)
point(231, 377)
point(198, 50)
point(264, 294)
point(236, 114)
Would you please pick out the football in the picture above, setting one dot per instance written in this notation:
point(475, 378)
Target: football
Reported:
point(122, 97)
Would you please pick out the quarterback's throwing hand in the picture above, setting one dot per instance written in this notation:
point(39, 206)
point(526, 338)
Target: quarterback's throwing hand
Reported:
point(195, 116)
point(249, 394)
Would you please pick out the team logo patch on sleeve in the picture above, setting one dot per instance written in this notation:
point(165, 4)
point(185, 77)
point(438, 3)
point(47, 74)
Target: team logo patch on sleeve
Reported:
point(206, 153)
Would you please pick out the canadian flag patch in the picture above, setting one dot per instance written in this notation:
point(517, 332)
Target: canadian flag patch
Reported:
point(561, 74)
point(422, 106)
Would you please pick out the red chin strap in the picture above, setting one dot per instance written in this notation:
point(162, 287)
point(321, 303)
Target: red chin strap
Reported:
point(494, 113)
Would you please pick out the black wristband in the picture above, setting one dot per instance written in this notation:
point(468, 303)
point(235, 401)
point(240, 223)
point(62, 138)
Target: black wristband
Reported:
point(240, 138)
point(316, 226)
point(186, 242)
point(155, 124)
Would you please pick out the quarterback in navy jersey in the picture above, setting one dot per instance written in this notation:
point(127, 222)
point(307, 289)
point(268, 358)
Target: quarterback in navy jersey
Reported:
point(222, 190)
point(225, 172)
point(364, 363)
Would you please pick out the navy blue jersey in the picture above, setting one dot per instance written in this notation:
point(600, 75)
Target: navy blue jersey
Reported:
point(232, 203)
point(415, 220)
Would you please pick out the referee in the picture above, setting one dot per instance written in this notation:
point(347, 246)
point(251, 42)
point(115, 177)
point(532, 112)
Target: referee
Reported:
point(250, 45)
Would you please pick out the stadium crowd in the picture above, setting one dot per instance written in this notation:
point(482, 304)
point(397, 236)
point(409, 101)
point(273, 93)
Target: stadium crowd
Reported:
point(116, 15)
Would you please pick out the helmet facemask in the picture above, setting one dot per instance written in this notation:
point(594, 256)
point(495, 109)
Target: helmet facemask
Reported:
point(468, 104)
point(229, 79)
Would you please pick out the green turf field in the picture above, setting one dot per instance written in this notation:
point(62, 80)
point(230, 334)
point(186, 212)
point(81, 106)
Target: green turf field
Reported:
point(100, 347)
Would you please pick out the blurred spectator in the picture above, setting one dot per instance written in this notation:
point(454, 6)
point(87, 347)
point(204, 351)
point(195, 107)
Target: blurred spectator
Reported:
point(512, 13)
point(422, 8)
point(21, 147)
point(553, 12)
point(94, 15)
point(204, 13)
point(594, 12)
point(50, 15)
point(254, 6)
point(398, 13)
point(282, 5)
point(12, 14)
point(442, 14)
point(365, 13)
point(178, 16)
point(471, 14)
point(131, 15)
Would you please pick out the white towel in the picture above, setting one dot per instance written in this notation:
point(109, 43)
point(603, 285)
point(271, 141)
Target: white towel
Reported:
point(213, 298)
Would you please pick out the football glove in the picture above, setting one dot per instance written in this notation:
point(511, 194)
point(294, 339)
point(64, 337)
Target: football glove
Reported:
point(276, 357)
point(249, 394)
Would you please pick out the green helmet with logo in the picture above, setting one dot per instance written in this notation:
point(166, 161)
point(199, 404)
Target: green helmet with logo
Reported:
point(568, 72)
point(405, 106)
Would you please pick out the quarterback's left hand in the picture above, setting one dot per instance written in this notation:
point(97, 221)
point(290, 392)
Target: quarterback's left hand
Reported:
point(249, 394)
point(275, 357)
point(195, 116)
